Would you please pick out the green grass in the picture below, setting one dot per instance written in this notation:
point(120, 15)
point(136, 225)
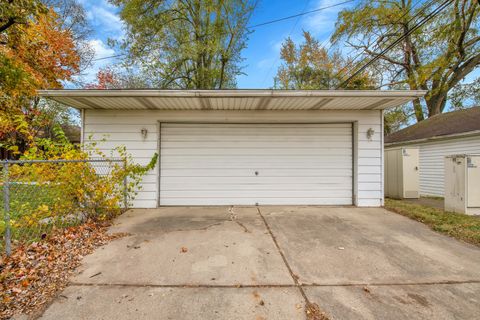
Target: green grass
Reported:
point(32, 194)
point(25, 200)
point(460, 226)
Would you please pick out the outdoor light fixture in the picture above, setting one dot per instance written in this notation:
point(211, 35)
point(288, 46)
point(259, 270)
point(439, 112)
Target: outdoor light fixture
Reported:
point(370, 133)
point(144, 133)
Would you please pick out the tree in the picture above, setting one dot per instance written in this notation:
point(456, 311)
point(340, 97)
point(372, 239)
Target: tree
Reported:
point(73, 18)
point(13, 12)
point(433, 58)
point(310, 66)
point(112, 78)
point(186, 43)
point(37, 54)
point(465, 95)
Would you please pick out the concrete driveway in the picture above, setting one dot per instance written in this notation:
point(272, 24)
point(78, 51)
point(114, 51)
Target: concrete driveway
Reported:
point(267, 262)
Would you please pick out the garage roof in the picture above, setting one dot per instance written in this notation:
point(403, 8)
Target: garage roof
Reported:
point(438, 126)
point(231, 99)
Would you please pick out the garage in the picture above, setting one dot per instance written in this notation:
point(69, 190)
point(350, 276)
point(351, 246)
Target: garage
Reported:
point(244, 147)
point(248, 164)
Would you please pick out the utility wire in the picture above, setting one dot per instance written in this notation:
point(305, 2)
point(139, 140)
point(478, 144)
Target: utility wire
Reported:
point(109, 57)
point(263, 23)
point(430, 16)
point(352, 64)
point(289, 34)
point(299, 14)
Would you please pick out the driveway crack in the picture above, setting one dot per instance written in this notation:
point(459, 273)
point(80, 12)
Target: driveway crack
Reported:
point(233, 217)
point(312, 310)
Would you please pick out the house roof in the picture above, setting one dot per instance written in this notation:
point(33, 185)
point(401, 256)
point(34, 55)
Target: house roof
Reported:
point(441, 125)
point(232, 99)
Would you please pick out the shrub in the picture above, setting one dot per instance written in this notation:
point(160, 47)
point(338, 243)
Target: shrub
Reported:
point(45, 195)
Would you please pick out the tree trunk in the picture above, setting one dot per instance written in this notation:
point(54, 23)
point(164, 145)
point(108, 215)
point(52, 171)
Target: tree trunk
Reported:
point(417, 107)
point(436, 104)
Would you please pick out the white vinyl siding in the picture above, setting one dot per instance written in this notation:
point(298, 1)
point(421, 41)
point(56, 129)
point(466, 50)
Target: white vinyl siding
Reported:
point(248, 164)
point(122, 127)
point(432, 157)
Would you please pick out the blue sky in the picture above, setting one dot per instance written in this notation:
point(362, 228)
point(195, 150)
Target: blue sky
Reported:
point(262, 54)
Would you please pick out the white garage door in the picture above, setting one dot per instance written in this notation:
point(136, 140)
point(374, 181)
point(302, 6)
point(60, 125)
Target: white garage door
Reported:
point(248, 164)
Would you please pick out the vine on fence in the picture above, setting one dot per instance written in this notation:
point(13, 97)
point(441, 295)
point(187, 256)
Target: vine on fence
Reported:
point(58, 193)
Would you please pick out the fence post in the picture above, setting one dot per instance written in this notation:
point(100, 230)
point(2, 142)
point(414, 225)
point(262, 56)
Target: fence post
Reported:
point(125, 197)
point(6, 203)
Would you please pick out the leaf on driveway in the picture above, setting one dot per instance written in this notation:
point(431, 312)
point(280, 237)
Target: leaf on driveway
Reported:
point(35, 272)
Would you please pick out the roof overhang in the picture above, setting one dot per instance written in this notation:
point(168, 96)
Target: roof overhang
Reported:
point(129, 99)
point(460, 135)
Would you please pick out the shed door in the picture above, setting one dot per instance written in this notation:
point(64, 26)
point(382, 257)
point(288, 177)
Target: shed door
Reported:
point(248, 164)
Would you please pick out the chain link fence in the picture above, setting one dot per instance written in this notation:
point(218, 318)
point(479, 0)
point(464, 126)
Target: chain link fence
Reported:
point(41, 195)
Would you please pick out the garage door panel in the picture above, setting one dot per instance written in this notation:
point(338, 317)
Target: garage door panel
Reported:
point(228, 172)
point(247, 152)
point(208, 164)
point(265, 129)
point(263, 138)
point(205, 182)
point(259, 160)
point(334, 185)
point(266, 201)
point(226, 162)
point(251, 193)
point(268, 144)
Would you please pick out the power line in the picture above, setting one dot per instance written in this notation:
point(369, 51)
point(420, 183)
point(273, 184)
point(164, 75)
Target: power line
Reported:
point(430, 16)
point(260, 24)
point(109, 57)
point(386, 32)
point(289, 34)
point(299, 14)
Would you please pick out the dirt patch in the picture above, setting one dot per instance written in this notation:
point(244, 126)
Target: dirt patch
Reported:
point(421, 300)
point(35, 273)
point(313, 312)
point(428, 201)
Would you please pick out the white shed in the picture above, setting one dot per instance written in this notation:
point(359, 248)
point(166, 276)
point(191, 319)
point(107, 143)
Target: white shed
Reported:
point(245, 147)
point(446, 134)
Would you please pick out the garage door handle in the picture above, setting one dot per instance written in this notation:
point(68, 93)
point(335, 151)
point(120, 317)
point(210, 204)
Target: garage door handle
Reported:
point(256, 173)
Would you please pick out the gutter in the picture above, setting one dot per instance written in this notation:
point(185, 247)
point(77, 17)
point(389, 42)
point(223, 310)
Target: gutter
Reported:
point(229, 93)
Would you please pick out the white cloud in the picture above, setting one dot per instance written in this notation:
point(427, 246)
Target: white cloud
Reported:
point(104, 18)
point(105, 21)
point(103, 52)
point(106, 24)
point(322, 22)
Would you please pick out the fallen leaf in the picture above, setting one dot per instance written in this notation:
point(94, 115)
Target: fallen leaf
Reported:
point(183, 250)
point(36, 272)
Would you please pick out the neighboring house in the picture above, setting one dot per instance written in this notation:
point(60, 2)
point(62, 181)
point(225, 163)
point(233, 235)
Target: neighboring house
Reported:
point(245, 147)
point(456, 132)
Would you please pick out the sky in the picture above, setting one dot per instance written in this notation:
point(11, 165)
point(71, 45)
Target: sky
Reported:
point(261, 57)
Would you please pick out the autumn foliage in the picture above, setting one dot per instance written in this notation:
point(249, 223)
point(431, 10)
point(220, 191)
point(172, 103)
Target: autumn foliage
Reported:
point(106, 79)
point(36, 272)
point(309, 66)
point(35, 54)
point(58, 194)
